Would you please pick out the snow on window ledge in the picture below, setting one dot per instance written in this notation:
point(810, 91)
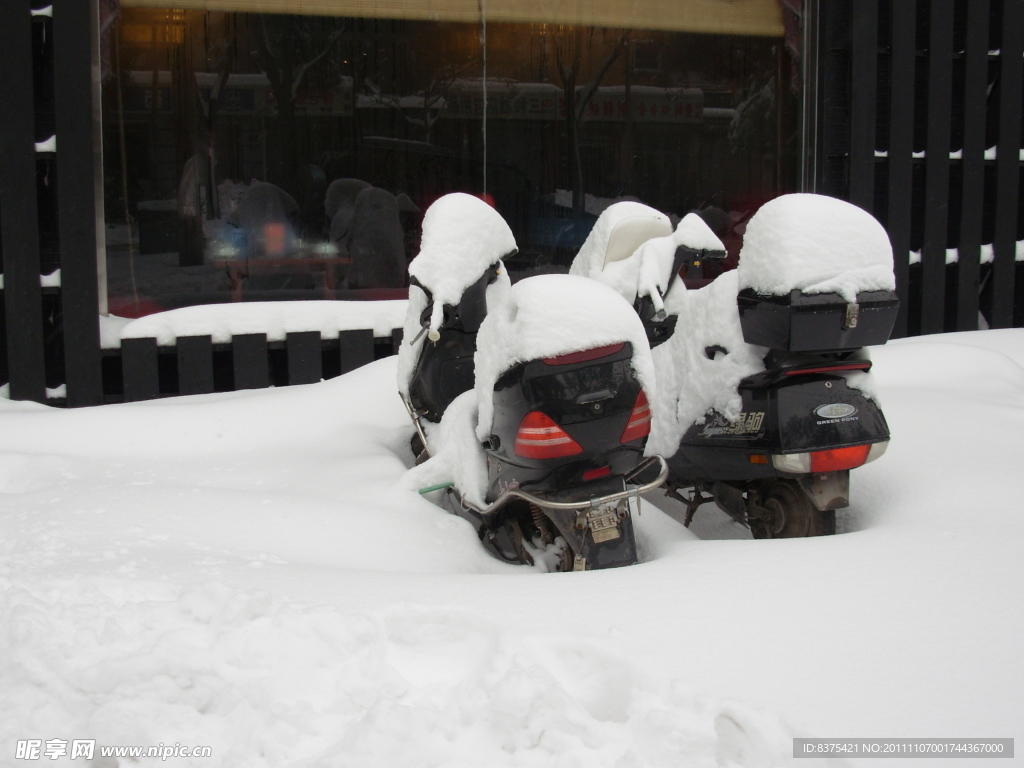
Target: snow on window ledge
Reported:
point(276, 319)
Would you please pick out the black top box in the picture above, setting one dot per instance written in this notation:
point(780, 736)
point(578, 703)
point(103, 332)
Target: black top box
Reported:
point(799, 322)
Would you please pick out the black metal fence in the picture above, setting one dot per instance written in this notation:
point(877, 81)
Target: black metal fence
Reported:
point(920, 113)
point(195, 365)
point(918, 103)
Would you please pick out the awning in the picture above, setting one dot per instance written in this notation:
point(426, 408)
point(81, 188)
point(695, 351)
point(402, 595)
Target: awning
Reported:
point(721, 17)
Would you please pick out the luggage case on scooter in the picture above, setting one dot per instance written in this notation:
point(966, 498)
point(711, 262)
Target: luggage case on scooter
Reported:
point(799, 322)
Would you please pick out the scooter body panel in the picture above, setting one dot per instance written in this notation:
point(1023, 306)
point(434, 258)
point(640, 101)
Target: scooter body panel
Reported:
point(444, 371)
point(778, 418)
point(591, 401)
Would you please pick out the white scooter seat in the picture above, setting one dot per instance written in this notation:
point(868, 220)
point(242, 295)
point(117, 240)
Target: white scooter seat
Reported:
point(629, 234)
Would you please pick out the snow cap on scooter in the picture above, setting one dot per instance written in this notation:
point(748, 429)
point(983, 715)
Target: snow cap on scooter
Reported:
point(818, 244)
point(462, 237)
point(548, 316)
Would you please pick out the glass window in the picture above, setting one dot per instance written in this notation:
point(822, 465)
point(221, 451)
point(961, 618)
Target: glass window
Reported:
point(265, 156)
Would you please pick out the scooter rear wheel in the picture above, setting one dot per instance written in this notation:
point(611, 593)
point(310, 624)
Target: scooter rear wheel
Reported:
point(793, 515)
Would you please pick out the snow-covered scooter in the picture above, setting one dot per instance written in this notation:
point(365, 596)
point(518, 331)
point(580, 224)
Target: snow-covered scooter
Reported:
point(546, 455)
point(765, 401)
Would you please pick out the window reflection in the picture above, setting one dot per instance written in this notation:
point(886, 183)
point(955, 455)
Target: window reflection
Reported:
point(262, 156)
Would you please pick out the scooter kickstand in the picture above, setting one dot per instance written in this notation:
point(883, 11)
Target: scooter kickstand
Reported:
point(696, 499)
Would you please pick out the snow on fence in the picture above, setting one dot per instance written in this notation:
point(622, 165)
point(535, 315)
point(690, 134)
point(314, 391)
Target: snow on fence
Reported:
point(226, 347)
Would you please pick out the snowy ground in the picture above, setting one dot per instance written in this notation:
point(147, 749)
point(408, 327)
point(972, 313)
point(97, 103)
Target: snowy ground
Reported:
point(246, 571)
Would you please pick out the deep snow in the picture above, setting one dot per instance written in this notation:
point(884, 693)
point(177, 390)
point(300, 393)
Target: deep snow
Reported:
point(247, 571)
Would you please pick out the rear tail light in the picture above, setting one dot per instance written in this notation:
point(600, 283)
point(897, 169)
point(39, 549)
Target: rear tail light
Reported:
point(585, 355)
point(839, 458)
point(829, 461)
point(639, 424)
point(541, 438)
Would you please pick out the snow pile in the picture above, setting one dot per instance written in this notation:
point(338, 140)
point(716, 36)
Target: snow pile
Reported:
point(244, 570)
point(267, 683)
point(657, 257)
point(818, 244)
point(551, 315)
point(456, 455)
point(275, 318)
point(689, 382)
point(413, 337)
point(462, 237)
point(623, 227)
point(111, 328)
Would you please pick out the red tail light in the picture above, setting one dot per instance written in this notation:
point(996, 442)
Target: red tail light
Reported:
point(594, 474)
point(540, 438)
point(639, 424)
point(839, 458)
point(585, 355)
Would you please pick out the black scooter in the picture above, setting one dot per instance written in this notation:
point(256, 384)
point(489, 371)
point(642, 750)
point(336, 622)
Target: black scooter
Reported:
point(565, 452)
point(783, 467)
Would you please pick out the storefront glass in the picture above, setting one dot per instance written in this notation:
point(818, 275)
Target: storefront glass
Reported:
point(264, 156)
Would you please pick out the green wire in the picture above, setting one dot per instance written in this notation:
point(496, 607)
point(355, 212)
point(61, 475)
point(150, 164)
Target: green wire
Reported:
point(436, 487)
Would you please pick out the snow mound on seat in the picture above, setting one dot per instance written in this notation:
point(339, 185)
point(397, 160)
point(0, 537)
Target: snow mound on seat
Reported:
point(552, 315)
point(818, 244)
point(589, 261)
point(690, 384)
point(462, 237)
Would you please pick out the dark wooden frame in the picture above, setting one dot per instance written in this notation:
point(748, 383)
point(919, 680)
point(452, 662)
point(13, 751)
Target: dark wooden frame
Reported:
point(901, 95)
point(869, 63)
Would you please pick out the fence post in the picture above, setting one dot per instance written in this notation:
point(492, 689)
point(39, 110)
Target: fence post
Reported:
point(195, 365)
point(141, 369)
point(936, 203)
point(305, 365)
point(356, 349)
point(1008, 164)
point(901, 148)
point(250, 361)
point(973, 164)
point(19, 216)
point(863, 96)
point(79, 193)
